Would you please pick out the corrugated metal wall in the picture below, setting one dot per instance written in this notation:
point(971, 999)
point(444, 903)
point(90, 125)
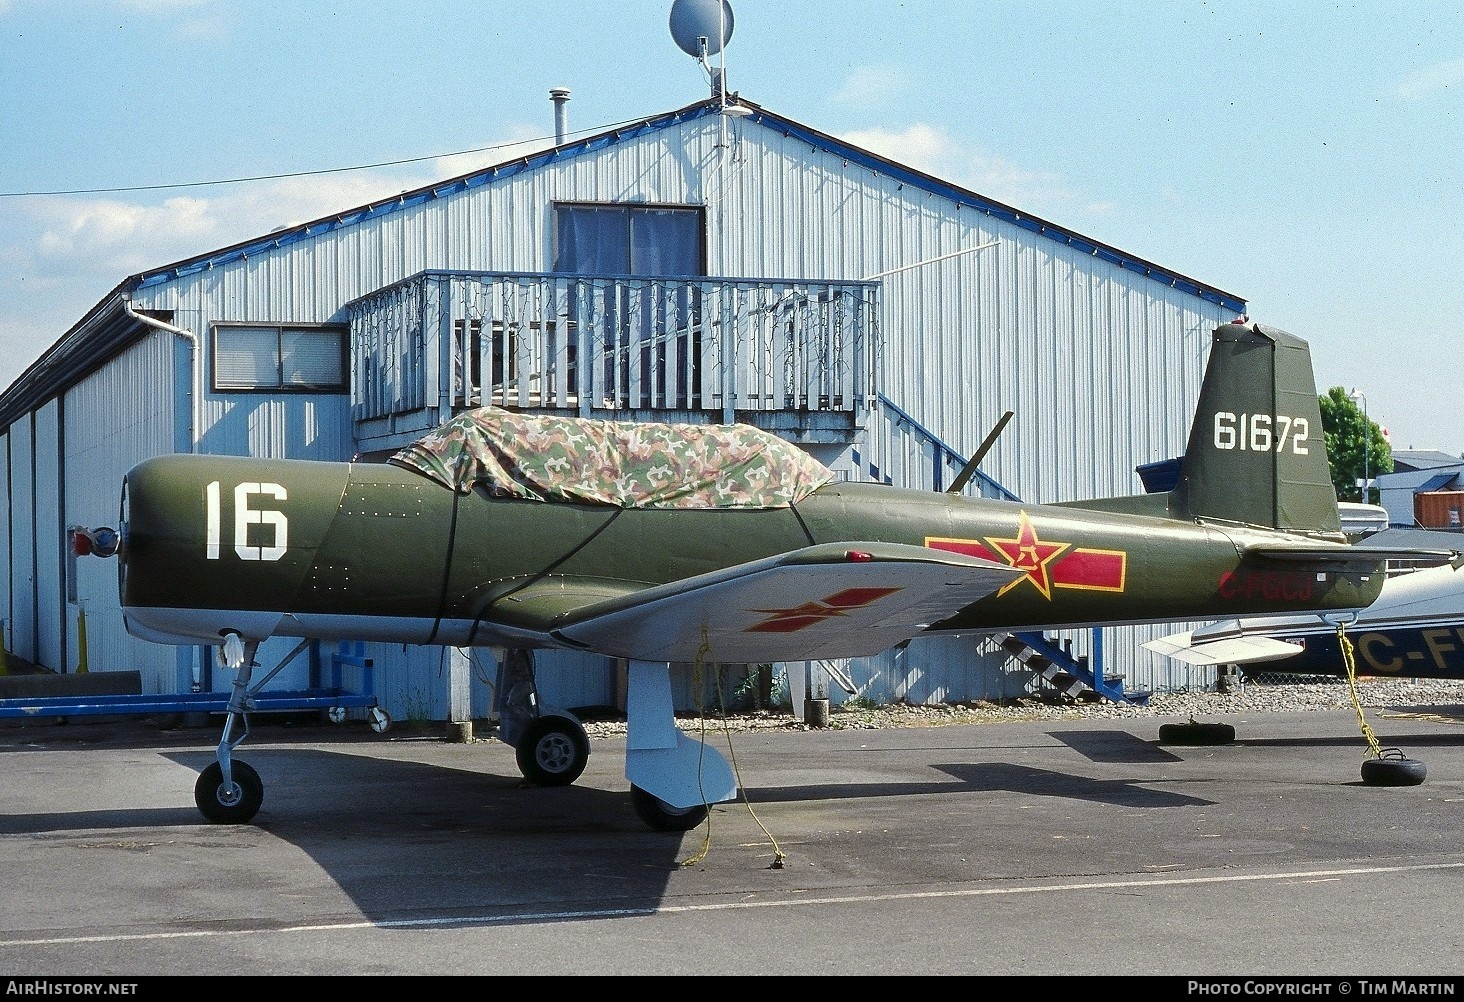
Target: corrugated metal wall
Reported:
point(50, 541)
point(22, 632)
point(7, 590)
point(291, 425)
point(113, 421)
point(1101, 365)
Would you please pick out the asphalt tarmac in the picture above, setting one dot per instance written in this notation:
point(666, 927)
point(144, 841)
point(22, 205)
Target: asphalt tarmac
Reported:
point(1044, 848)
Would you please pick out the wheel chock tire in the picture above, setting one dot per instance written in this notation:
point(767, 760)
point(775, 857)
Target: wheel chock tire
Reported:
point(1395, 771)
point(1194, 733)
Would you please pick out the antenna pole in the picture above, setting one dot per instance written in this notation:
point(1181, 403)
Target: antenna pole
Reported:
point(969, 470)
point(722, 56)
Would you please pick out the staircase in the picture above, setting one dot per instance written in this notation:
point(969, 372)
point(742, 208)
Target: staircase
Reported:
point(1060, 677)
point(917, 457)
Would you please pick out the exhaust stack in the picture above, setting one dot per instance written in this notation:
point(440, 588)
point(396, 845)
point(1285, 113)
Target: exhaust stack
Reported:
point(560, 97)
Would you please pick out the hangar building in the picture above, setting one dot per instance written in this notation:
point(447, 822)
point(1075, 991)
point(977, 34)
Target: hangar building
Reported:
point(720, 262)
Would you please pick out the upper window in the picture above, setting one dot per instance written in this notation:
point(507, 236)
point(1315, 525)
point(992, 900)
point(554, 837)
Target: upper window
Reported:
point(279, 357)
point(620, 239)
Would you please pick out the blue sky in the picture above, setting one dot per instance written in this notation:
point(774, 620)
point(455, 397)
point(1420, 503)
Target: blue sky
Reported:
point(1306, 157)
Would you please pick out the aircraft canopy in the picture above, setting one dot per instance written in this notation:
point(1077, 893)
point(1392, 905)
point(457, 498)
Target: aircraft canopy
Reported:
point(627, 464)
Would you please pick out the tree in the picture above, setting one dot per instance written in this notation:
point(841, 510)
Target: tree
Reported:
point(1346, 431)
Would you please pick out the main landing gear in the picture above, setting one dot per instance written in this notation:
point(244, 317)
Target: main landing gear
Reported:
point(551, 746)
point(673, 778)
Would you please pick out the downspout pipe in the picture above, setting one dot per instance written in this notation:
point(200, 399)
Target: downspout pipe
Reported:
point(196, 412)
point(195, 366)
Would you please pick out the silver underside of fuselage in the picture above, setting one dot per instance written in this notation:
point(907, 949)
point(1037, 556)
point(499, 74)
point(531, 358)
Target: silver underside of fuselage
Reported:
point(189, 627)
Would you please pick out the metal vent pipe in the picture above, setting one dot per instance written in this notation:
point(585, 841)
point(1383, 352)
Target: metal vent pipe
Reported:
point(560, 97)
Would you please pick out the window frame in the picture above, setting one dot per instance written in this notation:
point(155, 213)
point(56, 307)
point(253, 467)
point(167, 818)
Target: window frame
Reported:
point(630, 208)
point(280, 386)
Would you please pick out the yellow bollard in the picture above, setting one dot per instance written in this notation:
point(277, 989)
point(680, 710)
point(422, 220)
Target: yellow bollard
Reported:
point(81, 641)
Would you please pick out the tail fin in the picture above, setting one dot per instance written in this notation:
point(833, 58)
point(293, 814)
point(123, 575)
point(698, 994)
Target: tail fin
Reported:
point(1256, 455)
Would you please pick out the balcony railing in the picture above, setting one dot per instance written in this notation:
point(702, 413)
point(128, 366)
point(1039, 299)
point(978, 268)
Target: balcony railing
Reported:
point(440, 342)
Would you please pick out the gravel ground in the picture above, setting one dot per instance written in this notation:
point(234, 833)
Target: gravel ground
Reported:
point(1442, 696)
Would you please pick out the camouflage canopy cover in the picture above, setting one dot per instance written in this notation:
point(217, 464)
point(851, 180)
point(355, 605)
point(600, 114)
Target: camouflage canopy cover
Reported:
point(623, 463)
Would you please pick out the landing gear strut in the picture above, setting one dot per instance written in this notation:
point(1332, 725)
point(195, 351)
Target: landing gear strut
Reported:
point(551, 746)
point(230, 792)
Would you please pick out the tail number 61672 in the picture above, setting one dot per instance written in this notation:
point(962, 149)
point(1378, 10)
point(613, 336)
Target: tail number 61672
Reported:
point(1261, 432)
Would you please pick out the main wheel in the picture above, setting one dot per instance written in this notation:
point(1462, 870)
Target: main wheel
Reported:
point(553, 751)
point(1194, 733)
point(662, 816)
point(225, 806)
point(1393, 771)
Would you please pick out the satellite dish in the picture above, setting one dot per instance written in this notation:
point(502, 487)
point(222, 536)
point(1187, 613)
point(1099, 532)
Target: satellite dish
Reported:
point(694, 20)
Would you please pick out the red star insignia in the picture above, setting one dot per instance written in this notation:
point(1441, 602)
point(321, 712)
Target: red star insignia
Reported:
point(1030, 554)
point(809, 614)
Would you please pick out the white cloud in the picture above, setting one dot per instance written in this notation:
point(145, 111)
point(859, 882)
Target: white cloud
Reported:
point(160, 6)
point(520, 141)
point(194, 21)
point(871, 85)
point(934, 151)
point(1431, 80)
point(123, 237)
point(924, 147)
point(60, 254)
point(215, 27)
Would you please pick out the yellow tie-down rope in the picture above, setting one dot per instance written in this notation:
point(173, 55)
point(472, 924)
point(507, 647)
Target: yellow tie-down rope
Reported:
point(696, 687)
point(1351, 665)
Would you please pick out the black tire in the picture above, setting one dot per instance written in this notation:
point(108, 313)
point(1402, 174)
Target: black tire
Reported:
point(552, 751)
point(661, 816)
point(226, 807)
point(1194, 733)
point(1393, 771)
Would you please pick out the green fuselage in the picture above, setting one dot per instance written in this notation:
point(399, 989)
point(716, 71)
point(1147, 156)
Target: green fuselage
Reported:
point(292, 548)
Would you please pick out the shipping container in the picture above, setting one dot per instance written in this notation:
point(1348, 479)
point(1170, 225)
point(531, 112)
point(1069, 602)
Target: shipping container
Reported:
point(1439, 509)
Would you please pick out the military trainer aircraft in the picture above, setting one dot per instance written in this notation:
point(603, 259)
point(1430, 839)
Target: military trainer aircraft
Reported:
point(672, 545)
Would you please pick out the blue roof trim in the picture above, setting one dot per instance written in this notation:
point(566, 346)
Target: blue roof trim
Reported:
point(1052, 231)
point(420, 196)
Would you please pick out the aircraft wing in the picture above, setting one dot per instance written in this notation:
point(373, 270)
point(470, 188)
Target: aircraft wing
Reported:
point(1225, 651)
point(834, 600)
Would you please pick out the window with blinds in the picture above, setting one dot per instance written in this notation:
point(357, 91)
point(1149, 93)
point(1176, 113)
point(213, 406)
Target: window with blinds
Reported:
point(279, 357)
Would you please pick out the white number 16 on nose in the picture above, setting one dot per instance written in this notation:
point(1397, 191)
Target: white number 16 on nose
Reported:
point(244, 517)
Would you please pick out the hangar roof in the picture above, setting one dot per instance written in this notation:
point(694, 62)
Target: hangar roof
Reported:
point(106, 328)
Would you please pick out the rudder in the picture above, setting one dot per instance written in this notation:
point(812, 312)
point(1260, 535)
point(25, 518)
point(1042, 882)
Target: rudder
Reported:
point(1256, 454)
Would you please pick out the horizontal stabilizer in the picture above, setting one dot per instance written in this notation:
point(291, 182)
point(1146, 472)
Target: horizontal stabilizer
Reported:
point(1349, 556)
point(1232, 650)
point(827, 601)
